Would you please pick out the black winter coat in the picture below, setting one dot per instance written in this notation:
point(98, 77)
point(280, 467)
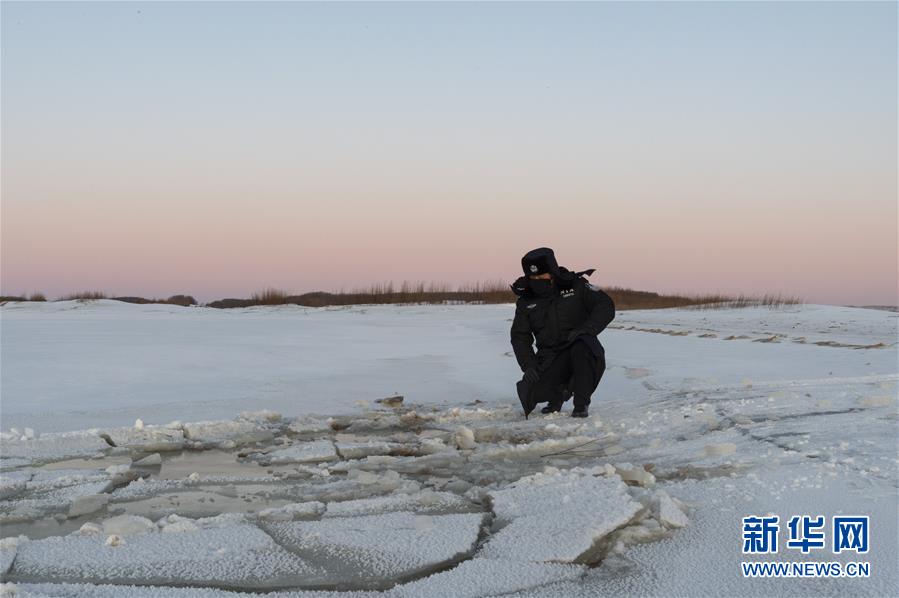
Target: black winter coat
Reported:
point(574, 304)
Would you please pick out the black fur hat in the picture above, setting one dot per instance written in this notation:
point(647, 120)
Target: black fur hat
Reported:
point(540, 261)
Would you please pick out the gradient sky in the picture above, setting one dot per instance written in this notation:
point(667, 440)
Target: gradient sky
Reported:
point(218, 148)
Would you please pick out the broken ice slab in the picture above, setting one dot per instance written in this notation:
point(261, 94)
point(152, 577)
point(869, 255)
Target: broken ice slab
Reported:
point(471, 579)
point(317, 451)
point(634, 474)
point(376, 551)
point(394, 401)
point(561, 517)
point(57, 492)
point(310, 427)
point(446, 461)
point(669, 511)
point(291, 511)
point(228, 434)
point(489, 577)
point(151, 460)
point(358, 450)
point(360, 485)
point(8, 549)
point(52, 447)
point(13, 483)
point(535, 450)
point(425, 501)
point(148, 439)
point(225, 554)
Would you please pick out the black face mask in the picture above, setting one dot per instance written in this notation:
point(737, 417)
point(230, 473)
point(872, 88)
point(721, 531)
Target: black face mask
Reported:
point(541, 287)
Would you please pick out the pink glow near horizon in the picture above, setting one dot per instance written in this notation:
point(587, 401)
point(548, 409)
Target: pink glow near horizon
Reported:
point(658, 143)
point(232, 248)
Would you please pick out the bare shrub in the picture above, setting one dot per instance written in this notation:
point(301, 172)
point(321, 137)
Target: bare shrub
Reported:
point(269, 297)
point(84, 296)
point(184, 300)
point(492, 291)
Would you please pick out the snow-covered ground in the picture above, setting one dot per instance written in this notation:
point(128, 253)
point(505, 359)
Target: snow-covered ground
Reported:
point(263, 463)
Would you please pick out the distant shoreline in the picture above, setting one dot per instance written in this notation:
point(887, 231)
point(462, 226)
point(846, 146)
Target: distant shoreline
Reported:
point(494, 292)
point(880, 307)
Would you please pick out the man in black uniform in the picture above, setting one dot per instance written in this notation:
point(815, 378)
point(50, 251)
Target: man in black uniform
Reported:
point(564, 313)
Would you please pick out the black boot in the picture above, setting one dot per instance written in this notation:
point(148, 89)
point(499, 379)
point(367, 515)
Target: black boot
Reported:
point(551, 408)
point(579, 412)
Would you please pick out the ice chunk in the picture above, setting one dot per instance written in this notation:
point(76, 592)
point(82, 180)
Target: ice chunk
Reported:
point(147, 439)
point(536, 449)
point(177, 524)
point(310, 427)
point(420, 502)
point(228, 553)
point(428, 464)
point(8, 548)
point(82, 505)
point(43, 502)
point(489, 577)
point(377, 550)
point(13, 483)
point(668, 511)
point(117, 469)
point(234, 433)
point(90, 529)
point(52, 447)
point(292, 511)
point(149, 461)
point(365, 477)
point(720, 449)
point(393, 402)
point(544, 527)
point(463, 438)
point(127, 525)
point(637, 475)
point(305, 452)
point(263, 415)
point(359, 450)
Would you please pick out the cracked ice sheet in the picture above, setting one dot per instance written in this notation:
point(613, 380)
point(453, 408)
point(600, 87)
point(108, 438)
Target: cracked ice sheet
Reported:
point(316, 451)
point(558, 517)
point(377, 550)
point(475, 578)
point(49, 590)
point(710, 547)
point(237, 433)
point(228, 553)
point(52, 447)
point(420, 502)
point(45, 502)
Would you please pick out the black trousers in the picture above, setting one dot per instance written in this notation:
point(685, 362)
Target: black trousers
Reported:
point(575, 370)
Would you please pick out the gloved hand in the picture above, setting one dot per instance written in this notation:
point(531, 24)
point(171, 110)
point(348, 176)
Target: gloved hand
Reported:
point(531, 375)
